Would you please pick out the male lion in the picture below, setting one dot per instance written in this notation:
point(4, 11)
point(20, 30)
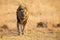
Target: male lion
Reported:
point(22, 16)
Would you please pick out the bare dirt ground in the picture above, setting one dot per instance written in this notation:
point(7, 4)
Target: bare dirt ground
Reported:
point(46, 11)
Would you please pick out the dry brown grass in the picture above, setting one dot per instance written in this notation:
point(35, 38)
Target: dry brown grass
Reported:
point(47, 11)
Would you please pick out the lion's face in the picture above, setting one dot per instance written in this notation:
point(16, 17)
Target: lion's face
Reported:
point(22, 11)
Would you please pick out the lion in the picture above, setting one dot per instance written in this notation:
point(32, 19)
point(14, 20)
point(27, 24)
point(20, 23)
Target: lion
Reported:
point(22, 17)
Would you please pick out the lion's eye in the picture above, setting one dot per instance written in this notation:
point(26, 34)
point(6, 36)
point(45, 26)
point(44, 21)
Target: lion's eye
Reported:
point(57, 25)
point(22, 10)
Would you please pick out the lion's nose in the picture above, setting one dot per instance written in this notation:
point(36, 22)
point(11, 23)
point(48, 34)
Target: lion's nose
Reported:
point(50, 30)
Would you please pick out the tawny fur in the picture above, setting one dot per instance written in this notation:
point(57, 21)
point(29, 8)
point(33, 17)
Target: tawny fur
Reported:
point(22, 20)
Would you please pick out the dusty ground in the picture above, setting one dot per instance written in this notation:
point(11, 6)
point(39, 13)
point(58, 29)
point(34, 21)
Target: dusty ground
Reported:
point(46, 11)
